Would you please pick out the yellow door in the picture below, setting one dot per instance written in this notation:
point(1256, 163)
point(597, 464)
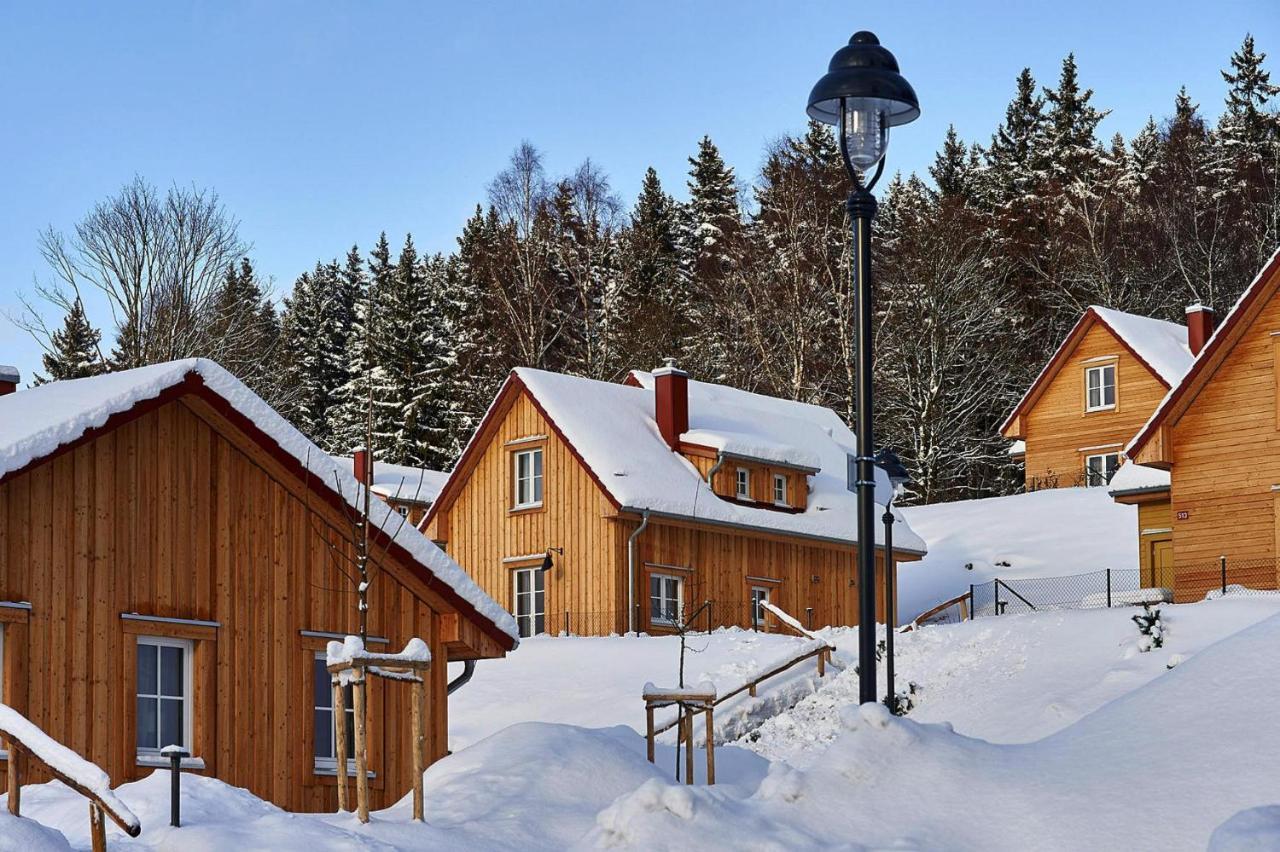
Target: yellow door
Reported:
point(1162, 564)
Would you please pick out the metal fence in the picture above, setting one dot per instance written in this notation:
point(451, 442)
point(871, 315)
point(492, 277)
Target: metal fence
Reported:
point(1115, 587)
point(716, 614)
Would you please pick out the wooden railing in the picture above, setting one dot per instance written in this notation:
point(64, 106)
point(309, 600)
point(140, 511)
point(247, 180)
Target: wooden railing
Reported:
point(822, 653)
point(961, 601)
point(25, 739)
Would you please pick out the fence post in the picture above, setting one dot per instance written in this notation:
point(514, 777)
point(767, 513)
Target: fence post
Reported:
point(995, 596)
point(1108, 588)
point(808, 617)
point(973, 613)
point(1222, 560)
point(566, 622)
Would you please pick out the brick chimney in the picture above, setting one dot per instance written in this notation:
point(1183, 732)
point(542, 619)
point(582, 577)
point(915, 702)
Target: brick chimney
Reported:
point(8, 380)
point(363, 466)
point(1200, 323)
point(671, 402)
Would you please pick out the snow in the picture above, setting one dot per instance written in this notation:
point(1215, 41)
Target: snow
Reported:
point(697, 690)
point(1023, 535)
point(63, 760)
point(1133, 478)
point(403, 482)
point(1018, 448)
point(598, 681)
point(612, 427)
point(752, 447)
point(35, 422)
point(20, 834)
point(1163, 345)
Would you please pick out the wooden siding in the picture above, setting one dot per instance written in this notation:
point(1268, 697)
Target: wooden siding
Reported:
point(480, 529)
point(1226, 456)
point(178, 514)
point(725, 481)
point(1057, 426)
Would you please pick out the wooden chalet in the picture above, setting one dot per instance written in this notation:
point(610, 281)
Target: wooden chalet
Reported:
point(407, 489)
point(1214, 445)
point(170, 573)
point(594, 507)
point(1100, 386)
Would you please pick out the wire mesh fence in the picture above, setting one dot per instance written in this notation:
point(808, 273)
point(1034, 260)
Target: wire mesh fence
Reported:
point(1117, 587)
point(706, 616)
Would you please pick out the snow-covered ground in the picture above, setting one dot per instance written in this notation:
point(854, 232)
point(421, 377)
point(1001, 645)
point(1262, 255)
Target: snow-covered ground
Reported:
point(1045, 731)
point(1023, 535)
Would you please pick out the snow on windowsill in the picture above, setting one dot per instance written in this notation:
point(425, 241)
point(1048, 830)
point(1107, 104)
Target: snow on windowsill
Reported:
point(331, 771)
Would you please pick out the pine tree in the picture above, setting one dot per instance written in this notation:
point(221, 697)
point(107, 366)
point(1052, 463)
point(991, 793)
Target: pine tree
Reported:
point(712, 243)
point(314, 352)
point(1073, 122)
point(243, 333)
point(74, 349)
point(1248, 129)
point(655, 286)
point(1017, 158)
point(955, 168)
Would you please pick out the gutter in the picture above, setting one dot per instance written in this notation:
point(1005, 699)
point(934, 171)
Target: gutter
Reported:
point(631, 571)
point(468, 671)
point(715, 468)
point(753, 528)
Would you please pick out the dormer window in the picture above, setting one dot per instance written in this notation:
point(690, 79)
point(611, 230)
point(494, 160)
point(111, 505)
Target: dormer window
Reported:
point(779, 489)
point(1100, 387)
point(742, 488)
point(528, 479)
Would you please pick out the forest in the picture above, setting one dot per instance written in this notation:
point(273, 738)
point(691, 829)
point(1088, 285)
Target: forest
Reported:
point(981, 267)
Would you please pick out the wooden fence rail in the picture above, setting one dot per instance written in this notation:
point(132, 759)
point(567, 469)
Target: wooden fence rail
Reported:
point(961, 601)
point(25, 739)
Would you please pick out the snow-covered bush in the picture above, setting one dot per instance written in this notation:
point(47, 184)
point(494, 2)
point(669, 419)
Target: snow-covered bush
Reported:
point(1150, 627)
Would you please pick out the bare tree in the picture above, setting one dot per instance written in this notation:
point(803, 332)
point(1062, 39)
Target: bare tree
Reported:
point(158, 260)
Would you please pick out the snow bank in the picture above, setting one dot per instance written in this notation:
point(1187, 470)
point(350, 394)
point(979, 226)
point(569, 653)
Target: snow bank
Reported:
point(1252, 830)
point(1023, 535)
point(63, 760)
point(19, 834)
point(36, 422)
point(612, 427)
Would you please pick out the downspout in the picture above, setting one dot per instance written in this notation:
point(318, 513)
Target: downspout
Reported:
point(711, 474)
point(631, 572)
point(468, 669)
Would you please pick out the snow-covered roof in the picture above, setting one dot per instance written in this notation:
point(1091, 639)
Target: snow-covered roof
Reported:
point(1017, 448)
point(403, 482)
point(612, 427)
point(1135, 478)
point(1163, 345)
point(35, 422)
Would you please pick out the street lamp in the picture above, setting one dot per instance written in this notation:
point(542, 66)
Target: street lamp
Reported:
point(899, 479)
point(863, 93)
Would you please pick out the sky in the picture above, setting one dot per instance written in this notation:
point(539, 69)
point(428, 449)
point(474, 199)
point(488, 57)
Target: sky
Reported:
point(321, 124)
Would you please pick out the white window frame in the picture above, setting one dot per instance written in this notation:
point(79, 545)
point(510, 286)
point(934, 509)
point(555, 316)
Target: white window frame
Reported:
point(1101, 372)
point(536, 480)
point(742, 484)
point(537, 576)
point(757, 610)
point(402, 509)
point(188, 696)
point(329, 765)
point(1088, 468)
point(780, 484)
point(662, 620)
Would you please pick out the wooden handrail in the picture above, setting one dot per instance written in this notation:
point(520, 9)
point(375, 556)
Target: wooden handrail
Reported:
point(24, 738)
point(958, 599)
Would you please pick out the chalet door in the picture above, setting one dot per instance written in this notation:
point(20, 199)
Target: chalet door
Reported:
point(1162, 564)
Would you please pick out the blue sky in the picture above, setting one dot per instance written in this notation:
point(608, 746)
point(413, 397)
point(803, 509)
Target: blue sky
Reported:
point(321, 123)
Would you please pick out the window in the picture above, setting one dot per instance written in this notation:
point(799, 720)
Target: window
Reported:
point(531, 610)
point(1100, 387)
point(666, 598)
point(325, 734)
point(163, 694)
point(1099, 469)
point(528, 472)
point(403, 510)
point(779, 489)
point(742, 489)
point(759, 594)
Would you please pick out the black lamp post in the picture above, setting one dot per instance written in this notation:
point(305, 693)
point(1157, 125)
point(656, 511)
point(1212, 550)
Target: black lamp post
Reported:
point(863, 93)
point(899, 478)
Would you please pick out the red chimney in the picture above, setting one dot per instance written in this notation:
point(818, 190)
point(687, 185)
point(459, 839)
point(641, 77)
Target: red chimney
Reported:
point(1200, 322)
point(363, 467)
point(8, 380)
point(671, 402)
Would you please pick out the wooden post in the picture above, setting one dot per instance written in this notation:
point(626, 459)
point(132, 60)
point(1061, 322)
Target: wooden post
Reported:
point(97, 828)
point(362, 774)
point(419, 695)
point(711, 746)
point(340, 741)
point(751, 689)
point(13, 779)
point(648, 713)
point(822, 663)
point(688, 747)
